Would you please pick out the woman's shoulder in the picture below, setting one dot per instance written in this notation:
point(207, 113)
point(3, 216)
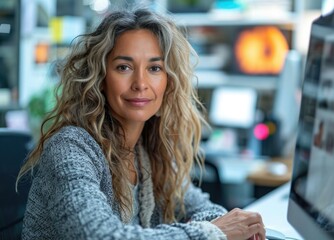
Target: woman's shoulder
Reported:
point(71, 133)
point(71, 144)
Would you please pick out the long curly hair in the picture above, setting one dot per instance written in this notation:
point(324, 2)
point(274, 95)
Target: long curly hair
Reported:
point(171, 138)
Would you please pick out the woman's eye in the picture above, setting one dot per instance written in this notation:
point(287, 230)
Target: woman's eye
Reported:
point(155, 68)
point(122, 68)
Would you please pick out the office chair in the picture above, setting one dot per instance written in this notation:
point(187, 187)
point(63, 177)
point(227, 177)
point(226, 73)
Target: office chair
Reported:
point(14, 148)
point(210, 181)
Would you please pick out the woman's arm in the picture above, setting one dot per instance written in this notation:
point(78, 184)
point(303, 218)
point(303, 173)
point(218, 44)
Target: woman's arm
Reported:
point(199, 207)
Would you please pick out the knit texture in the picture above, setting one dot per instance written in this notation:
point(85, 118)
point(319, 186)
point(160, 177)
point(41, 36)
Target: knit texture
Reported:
point(71, 197)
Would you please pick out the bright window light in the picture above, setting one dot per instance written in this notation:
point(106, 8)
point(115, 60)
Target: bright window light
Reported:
point(100, 5)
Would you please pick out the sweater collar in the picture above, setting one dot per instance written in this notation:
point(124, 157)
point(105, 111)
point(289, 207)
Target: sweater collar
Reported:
point(146, 195)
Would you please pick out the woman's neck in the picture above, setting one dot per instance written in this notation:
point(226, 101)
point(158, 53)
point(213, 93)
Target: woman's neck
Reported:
point(132, 135)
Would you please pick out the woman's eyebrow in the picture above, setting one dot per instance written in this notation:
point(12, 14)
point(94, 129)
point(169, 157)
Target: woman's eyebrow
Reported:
point(130, 59)
point(123, 58)
point(155, 59)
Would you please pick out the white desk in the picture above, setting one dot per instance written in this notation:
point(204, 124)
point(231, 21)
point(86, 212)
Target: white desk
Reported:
point(273, 209)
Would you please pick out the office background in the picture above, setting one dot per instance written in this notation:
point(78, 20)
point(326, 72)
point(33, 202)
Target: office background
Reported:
point(251, 56)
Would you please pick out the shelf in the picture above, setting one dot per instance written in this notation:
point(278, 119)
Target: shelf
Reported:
point(234, 19)
point(212, 79)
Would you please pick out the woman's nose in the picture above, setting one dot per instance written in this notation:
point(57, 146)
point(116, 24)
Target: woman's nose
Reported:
point(139, 82)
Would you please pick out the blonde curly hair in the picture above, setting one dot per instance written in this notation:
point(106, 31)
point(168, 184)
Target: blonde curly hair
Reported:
point(171, 139)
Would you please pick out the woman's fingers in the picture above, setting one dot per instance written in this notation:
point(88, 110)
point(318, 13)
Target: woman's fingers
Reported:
point(258, 230)
point(248, 218)
point(240, 225)
point(254, 218)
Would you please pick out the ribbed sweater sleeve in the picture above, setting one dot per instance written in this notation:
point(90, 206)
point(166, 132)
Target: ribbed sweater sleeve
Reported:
point(199, 207)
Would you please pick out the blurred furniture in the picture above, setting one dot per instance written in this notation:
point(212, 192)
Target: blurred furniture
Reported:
point(242, 179)
point(14, 148)
point(233, 170)
point(209, 182)
point(264, 178)
point(264, 181)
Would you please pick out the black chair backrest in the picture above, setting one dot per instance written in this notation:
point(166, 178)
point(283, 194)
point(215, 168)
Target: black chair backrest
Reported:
point(210, 181)
point(14, 148)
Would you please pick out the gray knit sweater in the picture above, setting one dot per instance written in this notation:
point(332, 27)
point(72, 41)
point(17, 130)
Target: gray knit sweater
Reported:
point(71, 198)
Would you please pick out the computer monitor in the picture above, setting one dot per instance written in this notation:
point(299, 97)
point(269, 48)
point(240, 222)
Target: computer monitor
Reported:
point(311, 199)
point(233, 107)
point(232, 115)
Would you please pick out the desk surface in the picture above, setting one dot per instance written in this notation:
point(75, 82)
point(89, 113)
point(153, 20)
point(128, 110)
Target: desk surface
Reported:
point(238, 169)
point(273, 208)
point(262, 177)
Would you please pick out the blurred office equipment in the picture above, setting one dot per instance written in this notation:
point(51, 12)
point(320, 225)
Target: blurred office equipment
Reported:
point(17, 119)
point(256, 48)
point(14, 147)
point(287, 102)
point(274, 133)
point(265, 139)
point(232, 114)
point(233, 107)
point(9, 52)
point(182, 6)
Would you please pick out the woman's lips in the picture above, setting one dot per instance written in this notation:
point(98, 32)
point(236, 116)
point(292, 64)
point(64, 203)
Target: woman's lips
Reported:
point(138, 102)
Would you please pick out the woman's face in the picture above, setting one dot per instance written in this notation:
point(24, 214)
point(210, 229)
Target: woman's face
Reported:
point(136, 79)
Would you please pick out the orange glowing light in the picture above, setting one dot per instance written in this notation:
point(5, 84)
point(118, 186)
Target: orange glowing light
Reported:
point(261, 50)
point(41, 53)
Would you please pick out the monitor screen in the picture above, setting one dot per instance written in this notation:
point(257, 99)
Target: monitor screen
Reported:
point(233, 107)
point(311, 200)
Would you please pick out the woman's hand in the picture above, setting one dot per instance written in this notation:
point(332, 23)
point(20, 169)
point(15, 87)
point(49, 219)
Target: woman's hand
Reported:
point(241, 225)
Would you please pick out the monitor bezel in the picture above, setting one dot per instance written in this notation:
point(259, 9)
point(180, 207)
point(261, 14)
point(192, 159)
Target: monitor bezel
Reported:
point(303, 223)
point(301, 215)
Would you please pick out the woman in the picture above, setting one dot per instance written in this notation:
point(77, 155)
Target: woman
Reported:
point(115, 162)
